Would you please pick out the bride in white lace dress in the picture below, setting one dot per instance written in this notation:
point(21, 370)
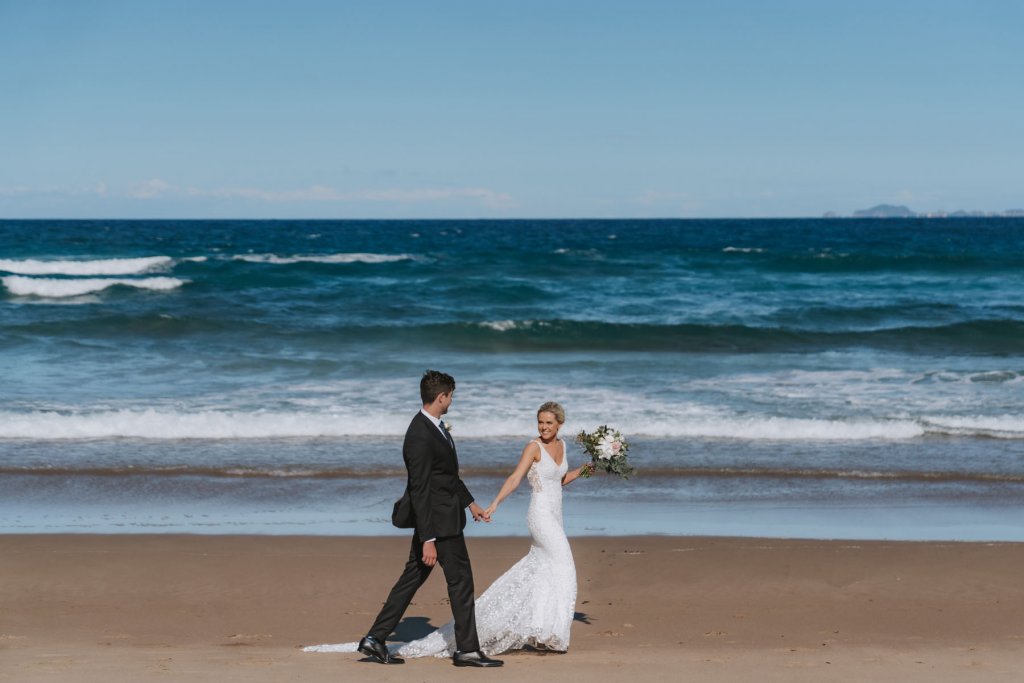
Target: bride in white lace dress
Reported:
point(533, 603)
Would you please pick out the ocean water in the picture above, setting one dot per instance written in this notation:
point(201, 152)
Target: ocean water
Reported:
point(797, 378)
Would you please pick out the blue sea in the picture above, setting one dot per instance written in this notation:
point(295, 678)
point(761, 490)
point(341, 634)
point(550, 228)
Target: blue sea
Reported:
point(787, 378)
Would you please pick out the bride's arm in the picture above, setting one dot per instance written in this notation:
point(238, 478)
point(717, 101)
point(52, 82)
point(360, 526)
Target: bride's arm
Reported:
point(529, 456)
point(573, 475)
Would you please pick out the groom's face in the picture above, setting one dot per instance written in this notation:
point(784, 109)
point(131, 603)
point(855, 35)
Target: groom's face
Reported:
point(446, 401)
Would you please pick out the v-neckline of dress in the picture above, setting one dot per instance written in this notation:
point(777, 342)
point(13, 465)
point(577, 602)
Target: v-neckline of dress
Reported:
point(557, 464)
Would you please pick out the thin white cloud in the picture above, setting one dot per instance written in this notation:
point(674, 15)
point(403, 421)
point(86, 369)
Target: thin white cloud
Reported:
point(150, 189)
point(313, 193)
point(16, 191)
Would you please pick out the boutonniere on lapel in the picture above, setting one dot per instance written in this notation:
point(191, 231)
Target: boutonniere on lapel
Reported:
point(447, 425)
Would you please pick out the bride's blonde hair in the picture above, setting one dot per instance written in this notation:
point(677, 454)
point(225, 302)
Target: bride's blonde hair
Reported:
point(555, 409)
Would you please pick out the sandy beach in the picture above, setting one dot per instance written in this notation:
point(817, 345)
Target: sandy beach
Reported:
point(238, 608)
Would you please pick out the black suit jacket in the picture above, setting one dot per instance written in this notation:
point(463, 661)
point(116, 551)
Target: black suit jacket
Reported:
point(435, 498)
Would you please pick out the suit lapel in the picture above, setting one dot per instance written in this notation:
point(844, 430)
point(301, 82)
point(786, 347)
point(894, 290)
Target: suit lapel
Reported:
point(437, 433)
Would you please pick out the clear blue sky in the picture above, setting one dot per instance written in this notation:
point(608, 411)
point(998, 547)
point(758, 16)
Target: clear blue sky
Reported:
point(300, 108)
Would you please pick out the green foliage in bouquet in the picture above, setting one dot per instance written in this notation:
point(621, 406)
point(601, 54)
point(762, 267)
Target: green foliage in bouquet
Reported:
point(608, 451)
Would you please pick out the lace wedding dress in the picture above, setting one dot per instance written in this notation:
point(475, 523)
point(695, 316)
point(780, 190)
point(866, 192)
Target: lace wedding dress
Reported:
point(533, 603)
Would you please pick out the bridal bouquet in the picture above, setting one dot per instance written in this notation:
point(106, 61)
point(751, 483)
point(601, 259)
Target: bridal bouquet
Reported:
point(607, 449)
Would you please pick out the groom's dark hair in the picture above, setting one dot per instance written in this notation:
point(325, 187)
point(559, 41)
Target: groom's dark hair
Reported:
point(435, 383)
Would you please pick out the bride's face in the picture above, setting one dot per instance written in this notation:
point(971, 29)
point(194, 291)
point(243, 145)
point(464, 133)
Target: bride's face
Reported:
point(547, 425)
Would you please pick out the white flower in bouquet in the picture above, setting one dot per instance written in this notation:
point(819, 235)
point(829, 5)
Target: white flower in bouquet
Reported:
point(608, 451)
point(609, 446)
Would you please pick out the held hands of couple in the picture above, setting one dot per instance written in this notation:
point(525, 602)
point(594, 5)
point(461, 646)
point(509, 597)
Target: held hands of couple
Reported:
point(479, 513)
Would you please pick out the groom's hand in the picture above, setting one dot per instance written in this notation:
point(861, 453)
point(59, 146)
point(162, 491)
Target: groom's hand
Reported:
point(429, 554)
point(478, 513)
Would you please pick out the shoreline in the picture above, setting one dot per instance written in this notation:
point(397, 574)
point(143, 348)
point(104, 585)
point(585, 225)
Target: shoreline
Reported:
point(197, 607)
point(590, 512)
point(964, 489)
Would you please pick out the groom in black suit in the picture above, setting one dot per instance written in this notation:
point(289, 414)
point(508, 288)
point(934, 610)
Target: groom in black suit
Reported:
point(434, 505)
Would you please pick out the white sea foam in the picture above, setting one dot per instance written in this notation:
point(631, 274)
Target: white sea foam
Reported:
point(325, 258)
point(212, 424)
point(116, 266)
point(506, 325)
point(488, 408)
point(872, 392)
point(584, 253)
point(788, 429)
point(744, 250)
point(997, 377)
point(62, 288)
point(499, 325)
point(173, 424)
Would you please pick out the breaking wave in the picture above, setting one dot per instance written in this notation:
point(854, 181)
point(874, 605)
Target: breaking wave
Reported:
point(62, 288)
point(212, 424)
point(115, 266)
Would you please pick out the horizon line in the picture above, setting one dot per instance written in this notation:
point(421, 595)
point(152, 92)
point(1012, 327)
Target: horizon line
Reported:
point(920, 216)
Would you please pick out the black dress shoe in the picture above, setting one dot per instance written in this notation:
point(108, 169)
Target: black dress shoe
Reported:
point(378, 651)
point(474, 659)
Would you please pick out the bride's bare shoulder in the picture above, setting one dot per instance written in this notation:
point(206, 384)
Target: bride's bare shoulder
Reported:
point(531, 450)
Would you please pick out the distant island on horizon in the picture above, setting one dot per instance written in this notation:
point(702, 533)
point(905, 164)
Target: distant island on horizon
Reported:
point(900, 211)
